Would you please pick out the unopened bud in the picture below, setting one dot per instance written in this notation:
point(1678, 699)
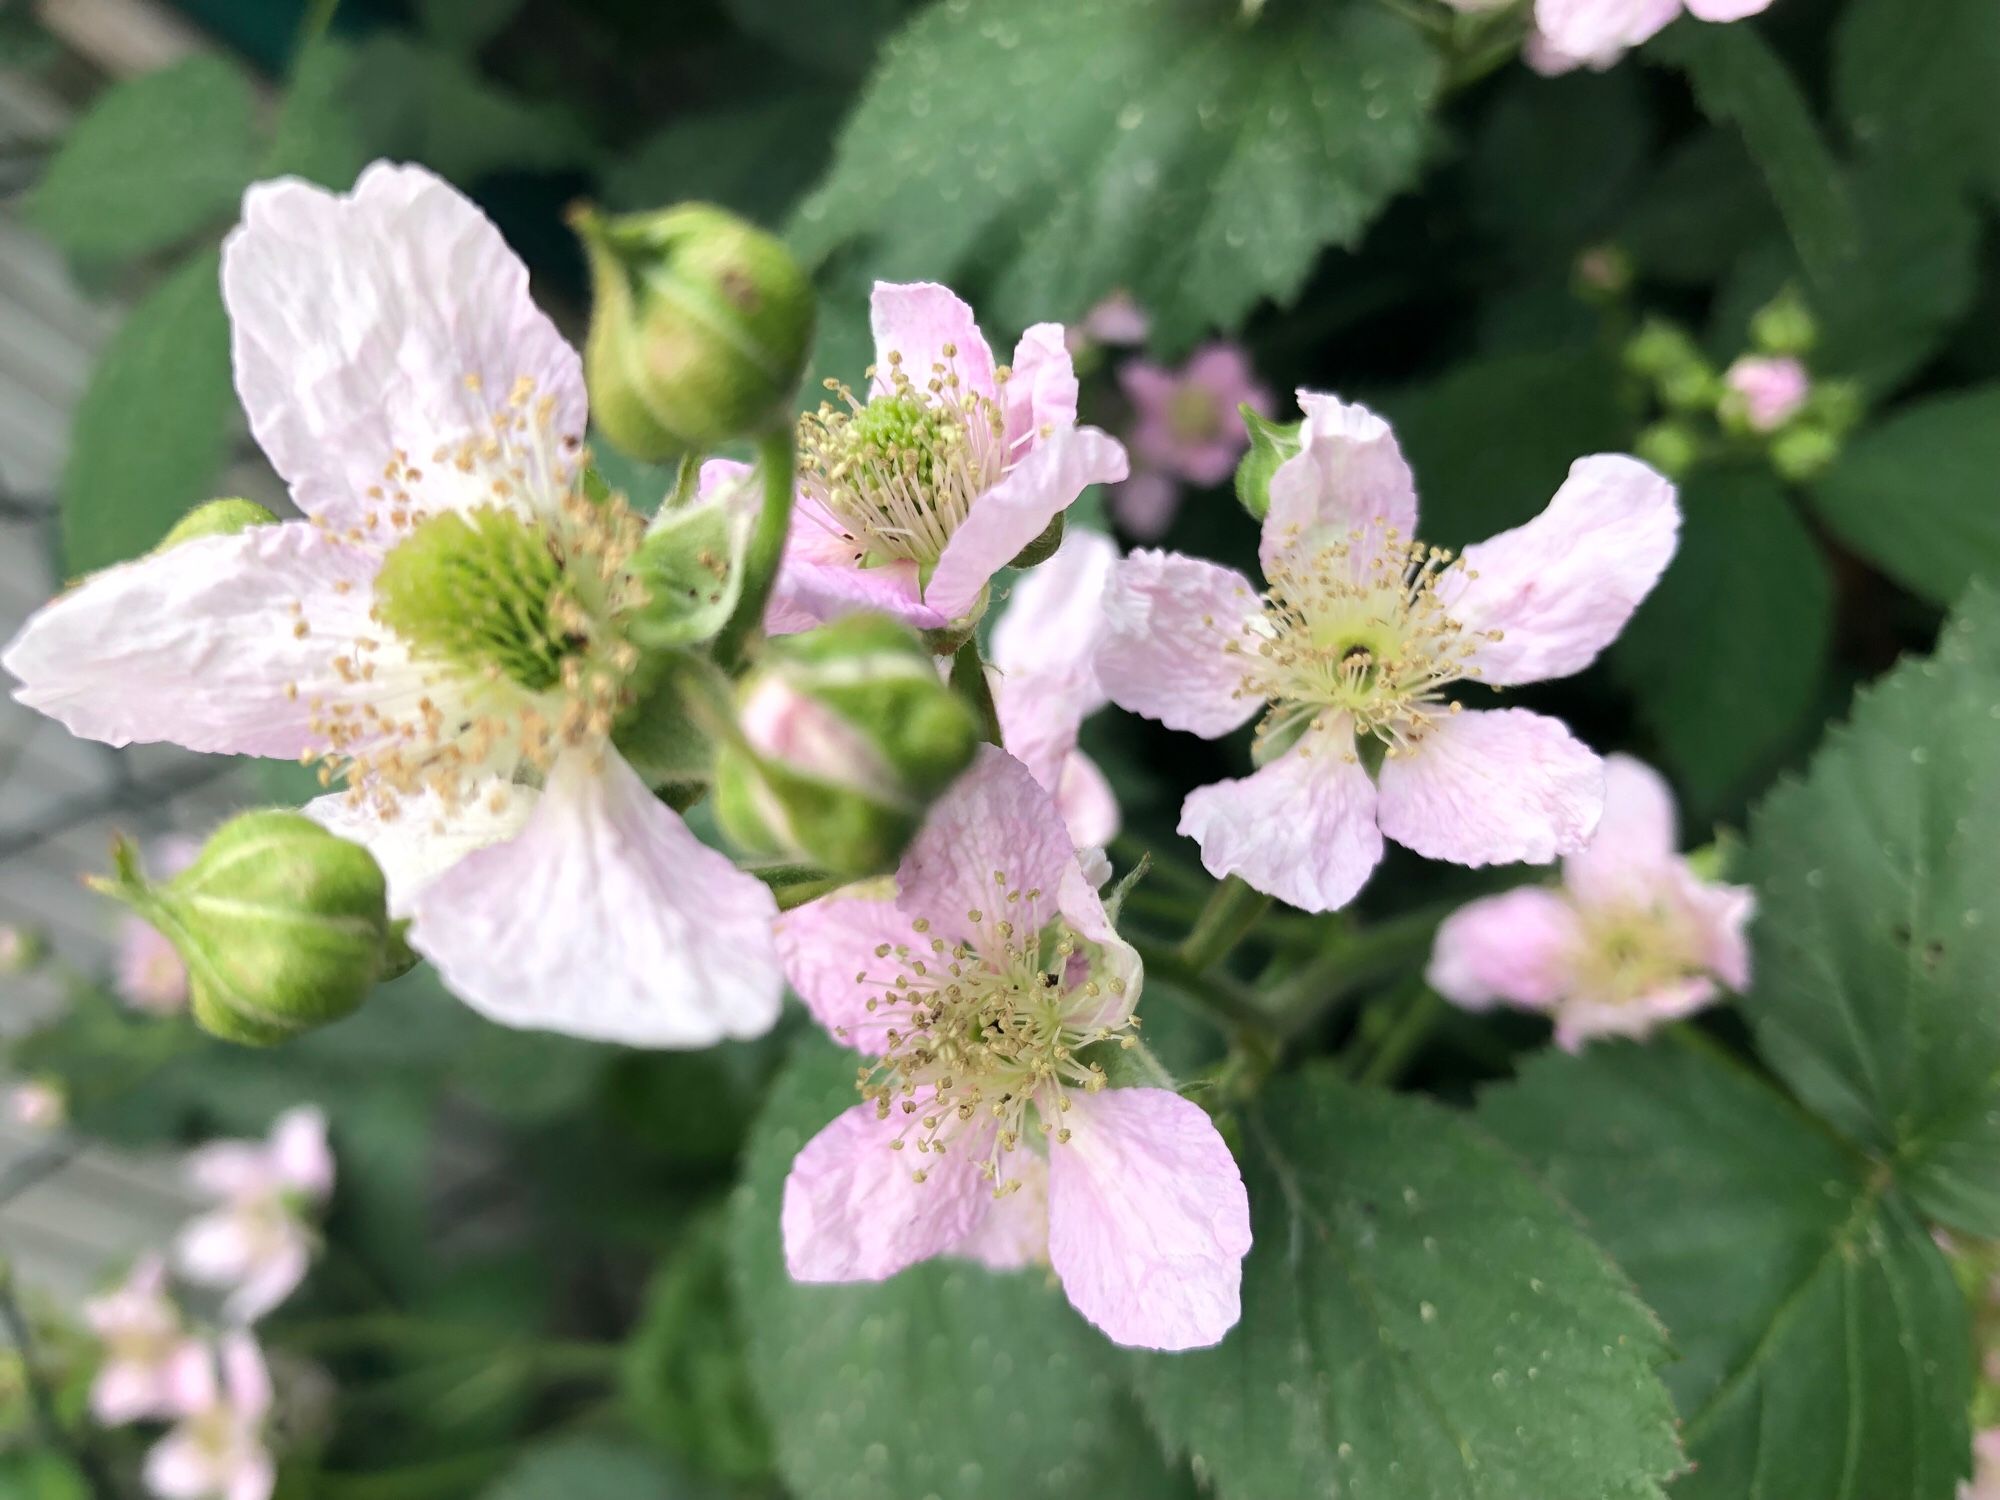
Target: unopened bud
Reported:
point(1603, 273)
point(1271, 443)
point(700, 331)
point(282, 925)
point(847, 736)
point(216, 518)
point(1661, 351)
point(1804, 452)
point(1784, 325)
point(1670, 447)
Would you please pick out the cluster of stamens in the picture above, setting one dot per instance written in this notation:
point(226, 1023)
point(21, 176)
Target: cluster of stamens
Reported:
point(1356, 629)
point(980, 1031)
point(1633, 948)
point(899, 472)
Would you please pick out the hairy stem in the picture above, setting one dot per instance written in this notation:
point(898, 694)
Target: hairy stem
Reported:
point(968, 680)
point(767, 546)
point(1233, 909)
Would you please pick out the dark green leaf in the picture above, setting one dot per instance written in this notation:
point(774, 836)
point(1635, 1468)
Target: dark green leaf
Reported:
point(466, 25)
point(837, 39)
point(1200, 161)
point(1727, 656)
point(1877, 933)
point(1554, 158)
point(151, 432)
point(1919, 495)
point(582, 1469)
point(319, 132)
point(156, 159)
point(1421, 1321)
point(1922, 79)
point(1823, 1345)
point(1703, 208)
point(756, 160)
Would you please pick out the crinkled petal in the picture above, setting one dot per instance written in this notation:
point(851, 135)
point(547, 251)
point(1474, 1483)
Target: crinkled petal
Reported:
point(1597, 32)
point(1173, 630)
point(996, 831)
point(1089, 805)
point(1015, 1230)
point(1560, 588)
point(919, 320)
point(1582, 1019)
point(1517, 947)
point(1635, 840)
point(827, 943)
point(221, 644)
point(852, 1211)
point(392, 320)
point(1148, 1219)
point(607, 919)
point(1003, 520)
point(1503, 786)
point(424, 839)
point(821, 579)
point(1055, 612)
point(1040, 394)
point(1301, 829)
point(1348, 476)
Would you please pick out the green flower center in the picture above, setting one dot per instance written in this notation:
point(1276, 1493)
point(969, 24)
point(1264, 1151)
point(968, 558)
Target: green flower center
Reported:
point(1630, 950)
point(1194, 415)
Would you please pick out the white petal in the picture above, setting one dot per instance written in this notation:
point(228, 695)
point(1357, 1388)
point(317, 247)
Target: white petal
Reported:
point(1635, 840)
point(1349, 475)
point(423, 840)
point(1173, 625)
point(1499, 786)
point(995, 834)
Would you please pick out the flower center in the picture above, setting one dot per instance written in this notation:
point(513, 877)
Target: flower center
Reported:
point(899, 472)
point(1194, 415)
point(986, 1029)
point(1631, 950)
point(1356, 629)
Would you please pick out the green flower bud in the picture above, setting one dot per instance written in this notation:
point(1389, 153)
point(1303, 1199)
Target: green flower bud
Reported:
point(1784, 325)
point(1661, 351)
point(1602, 274)
point(847, 735)
point(1271, 443)
point(216, 518)
point(1804, 451)
point(700, 332)
point(1671, 447)
point(282, 925)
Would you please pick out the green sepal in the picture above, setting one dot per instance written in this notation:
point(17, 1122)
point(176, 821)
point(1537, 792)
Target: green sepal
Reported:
point(1271, 443)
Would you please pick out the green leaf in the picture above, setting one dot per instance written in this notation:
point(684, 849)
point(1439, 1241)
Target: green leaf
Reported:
point(1702, 209)
point(756, 159)
point(1726, 658)
point(1923, 79)
point(1739, 80)
point(151, 432)
point(1201, 162)
point(1919, 495)
point(430, 105)
point(946, 1380)
point(1878, 935)
point(466, 25)
point(156, 159)
point(1421, 1321)
point(582, 1468)
point(839, 39)
point(1554, 158)
point(318, 134)
point(1823, 1345)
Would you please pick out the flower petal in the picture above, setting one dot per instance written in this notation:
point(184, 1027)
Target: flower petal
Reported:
point(392, 320)
point(1116, 961)
point(1348, 476)
point(1503, 786)
point(1040, 394)
point(1582, 1019)
point(826, 943)
point(605, 918)
point(1148, 1219)
point(272, 1275)
point(1055, 612)
point(1726, 10)
point(820, 580)
point(1018, 509)
point(852, 1211)
point(1088, 804)
point(1560, 588)
point(995, 831)
point(1635, 840)
point(300, 1157)
point(1721, 915)
point(423, 839)
point(1015, 1231)
point(1514, 947)
point(221, 644)
point(919, 320)
point(1597, 32)
point(1173, 630)
point(178, 1467)
point(1301, 829)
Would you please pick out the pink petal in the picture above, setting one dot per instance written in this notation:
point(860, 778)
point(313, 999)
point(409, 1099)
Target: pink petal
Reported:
point(1348, 476)
point(995, 831)
point(917, 320)
point(1018, 509)
point(231, 1170)
point(852, 1211)
point(1040, 395)
point(1515, 947)
point(178, 1467)
point(124, 1391)
point(201, 646)
point(1015, 1231)
point(1726, 10)
point(820, 580)
point(1503, 786)
point(255, 1477)
point(1721, 915)
point(607, 919)
point(1561, 587)
point(1597, 32)
point(357, 321)
point(1089, 806)
point(1116, 961)
point(826, 943)
point(1635, 839)
point(1148, 1219)
point(1145, 504)
point(245, 1376)
point(1301, 829)
point(1174, 629)
point(273, 1274)
point(1582, 1019)
point(1055, 612)
point(215, 1249)
point(424, 839)
point(299, 1152)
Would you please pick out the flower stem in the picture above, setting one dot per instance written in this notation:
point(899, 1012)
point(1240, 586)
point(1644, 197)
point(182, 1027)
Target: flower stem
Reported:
point(968, 680)
point(1418, 1010)
point(1225, 1001)
point(1350, 961)
point(1233, 909)
point(767, 545)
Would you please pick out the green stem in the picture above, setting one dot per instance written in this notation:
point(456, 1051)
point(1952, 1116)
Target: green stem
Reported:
point(767, 546)
point(1406, 1034)
point(968, 680)
point(1233, 909)
point(1357, 959)
point(1224, 1001)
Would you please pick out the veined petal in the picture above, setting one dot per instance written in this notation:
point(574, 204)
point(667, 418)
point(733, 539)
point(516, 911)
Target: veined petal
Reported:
point(1089, 806)
point(1301, 829)
point(995, 832)
point(1148, 1219)
point(821, 580)
point(1560, 588)
point(828, 944)
point(387, 323)
point(1516, 947)
point(424, 838)
point(1348, 476)
point(1040, 394)
point(1015, 1231)
point(853, 1210)
point(1018, 509)
point(605, 918)
point(1502, 786)
point(224, 644)
point(1635, 840)
point(1173, 628)
point(1055, 612)
point(918, 320)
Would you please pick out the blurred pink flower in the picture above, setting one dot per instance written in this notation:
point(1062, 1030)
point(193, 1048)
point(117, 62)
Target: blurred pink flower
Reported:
point(1187, 428)
point(1771, 389)
point(1116, 322)
point(1632, 939)
point(37, 1104)
point(1596, 33)
point(259, 1240)
point(981, 1134)
point(149, 973)
point(1985, 1481)
point(151, 1365)
point(217, 1451)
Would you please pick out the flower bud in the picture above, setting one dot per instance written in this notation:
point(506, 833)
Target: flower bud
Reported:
point(216, 518)
point(1661, 351)
point(1271, 443)
point(282, 925)
point(1804, 452)
point(847, 734)
point(700, 331)
point(1670, 447)
point(1784, 326)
